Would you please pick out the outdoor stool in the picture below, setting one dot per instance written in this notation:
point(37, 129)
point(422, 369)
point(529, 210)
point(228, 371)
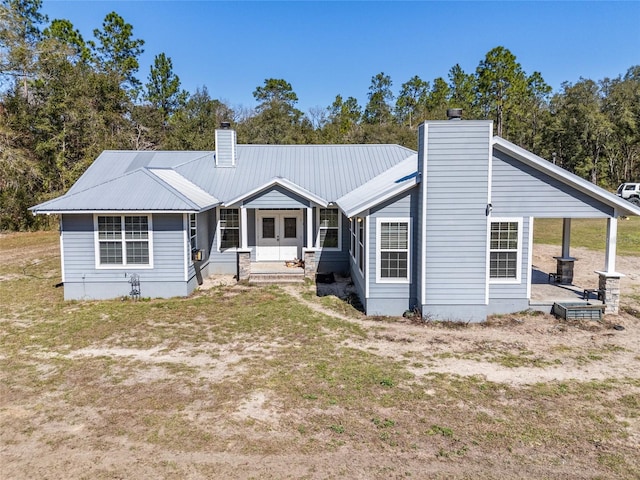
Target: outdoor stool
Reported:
point(589, 291)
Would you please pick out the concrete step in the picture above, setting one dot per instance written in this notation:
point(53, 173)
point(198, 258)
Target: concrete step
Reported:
point(274, 278)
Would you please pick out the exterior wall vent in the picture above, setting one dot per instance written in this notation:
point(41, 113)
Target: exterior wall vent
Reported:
point(454, 113)
point(225, 146)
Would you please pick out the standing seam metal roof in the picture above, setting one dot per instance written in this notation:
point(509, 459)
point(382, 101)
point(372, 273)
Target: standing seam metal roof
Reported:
point(119, 180)
point(328, 171)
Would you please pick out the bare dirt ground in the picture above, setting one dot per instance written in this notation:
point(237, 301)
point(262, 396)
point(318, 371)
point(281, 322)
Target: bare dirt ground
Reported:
point(542, 335)
point(77, 428)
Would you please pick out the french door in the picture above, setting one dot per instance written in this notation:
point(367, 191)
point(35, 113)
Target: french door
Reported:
point(278, 235)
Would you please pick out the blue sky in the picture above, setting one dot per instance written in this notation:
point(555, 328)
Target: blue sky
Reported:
point(332, 47)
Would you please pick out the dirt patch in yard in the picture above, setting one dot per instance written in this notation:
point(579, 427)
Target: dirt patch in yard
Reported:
point(239, 381)
point(513, 349)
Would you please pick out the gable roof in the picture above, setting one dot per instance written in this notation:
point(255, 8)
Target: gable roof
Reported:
point(142, 189)
point(326, 171)
point(112, 164)
point(190, 181)
point(622, 206)
point(283, 182)
point(394, 181)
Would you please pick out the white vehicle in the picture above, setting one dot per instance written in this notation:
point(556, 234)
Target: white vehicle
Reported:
point(630, 191)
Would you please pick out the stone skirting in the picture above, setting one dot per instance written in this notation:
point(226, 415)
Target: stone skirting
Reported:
point(310, 267)
point(244, 265)
point(609, 284)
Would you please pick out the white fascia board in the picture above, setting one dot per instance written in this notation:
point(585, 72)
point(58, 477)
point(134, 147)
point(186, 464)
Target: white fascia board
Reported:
point(564, 176)
point(351, 211)
point(114, 212)
point(283, 182)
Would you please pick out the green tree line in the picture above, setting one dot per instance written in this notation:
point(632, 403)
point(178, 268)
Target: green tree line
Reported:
point(64, 99)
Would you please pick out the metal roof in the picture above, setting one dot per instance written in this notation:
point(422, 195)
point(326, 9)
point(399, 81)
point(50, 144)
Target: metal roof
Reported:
point(326, 171)
point(568, 178)
point(394, 181)
point(284, 183)
point(137, 190)
point(187, 181)
point(184, 187)
point(112, 164)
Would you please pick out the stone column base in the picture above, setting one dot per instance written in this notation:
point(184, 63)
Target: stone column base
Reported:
point(310, 267)
point(564, 270)
point(244, 265)
point(609, 283)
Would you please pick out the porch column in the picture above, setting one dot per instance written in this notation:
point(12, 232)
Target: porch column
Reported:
point(566, 237)
point(612, 241)
point(564, 267)
point(244, 243)
point(309, 227)
point(609, 279)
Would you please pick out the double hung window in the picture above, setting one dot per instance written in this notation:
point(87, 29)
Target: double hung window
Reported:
point(229, 228)
point(329, 228)
point(193, 232)
point(354, 237)
point(361, 230)
point(123, 240)
point(504, 250)
point(393, 250)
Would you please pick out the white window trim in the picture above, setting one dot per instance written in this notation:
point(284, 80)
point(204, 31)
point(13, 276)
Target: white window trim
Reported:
point(505, 281)
point(187, 233)
point(123, 265)
point(62, 272)
point(353, 237)
point(379, 221)
point(339, 227)
point(193, 237)
point(361, 239)
point(219, 230)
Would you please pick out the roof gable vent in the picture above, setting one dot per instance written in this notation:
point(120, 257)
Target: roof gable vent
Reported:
point(225, 146)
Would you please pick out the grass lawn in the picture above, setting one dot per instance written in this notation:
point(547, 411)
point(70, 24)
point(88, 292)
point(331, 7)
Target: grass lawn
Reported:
point(251, 382)
point(590, 233)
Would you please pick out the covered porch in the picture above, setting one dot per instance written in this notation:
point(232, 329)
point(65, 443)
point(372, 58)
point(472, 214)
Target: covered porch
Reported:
point(279, 228)
point(561, 276)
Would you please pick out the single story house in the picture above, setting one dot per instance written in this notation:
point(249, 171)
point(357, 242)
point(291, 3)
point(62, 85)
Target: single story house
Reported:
point(446, 229)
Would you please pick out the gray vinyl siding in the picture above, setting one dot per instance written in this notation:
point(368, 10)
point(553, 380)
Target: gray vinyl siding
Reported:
point(332, 260)
point(203, 226)
point(393, 298)
point(225, 261)
point(518, 189)
point(421, 213)
point(358, 282)
point(276, 197)
point(457, 190)
point(84, 281)
point(357, 276)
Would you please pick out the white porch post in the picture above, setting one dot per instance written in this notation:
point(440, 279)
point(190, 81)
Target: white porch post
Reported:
point(244, 243)
point(566, 238)
point(609, 279)
point(612, 240)
point(309, 227)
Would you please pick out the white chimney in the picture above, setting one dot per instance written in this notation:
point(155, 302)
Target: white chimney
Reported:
point(225, 146)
